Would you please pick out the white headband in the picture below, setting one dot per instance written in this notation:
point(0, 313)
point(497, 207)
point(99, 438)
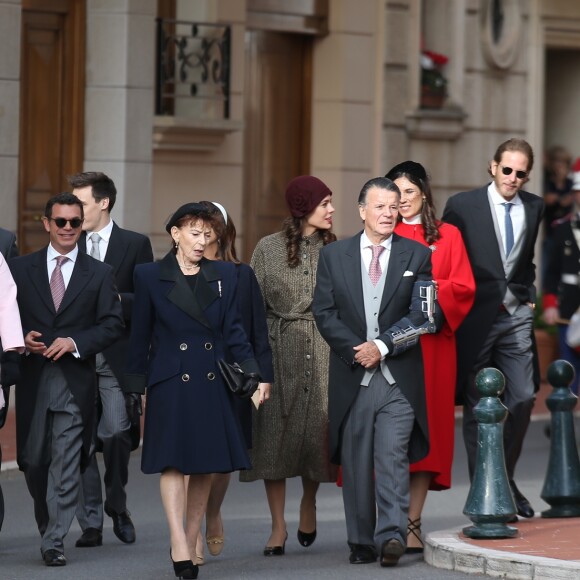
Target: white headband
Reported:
point(222, 210)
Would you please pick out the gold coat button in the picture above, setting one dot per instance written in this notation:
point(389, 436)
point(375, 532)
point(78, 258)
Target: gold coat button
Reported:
point(211, 376)
point(185, 377)
point(183, 346)
point(208, 346)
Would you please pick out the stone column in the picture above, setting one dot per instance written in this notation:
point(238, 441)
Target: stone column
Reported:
point(9, 111)
point(120, 77)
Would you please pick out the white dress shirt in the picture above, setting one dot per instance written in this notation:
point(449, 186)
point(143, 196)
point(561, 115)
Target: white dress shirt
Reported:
point(517, 213)
point(67, 270)
point(105, 234)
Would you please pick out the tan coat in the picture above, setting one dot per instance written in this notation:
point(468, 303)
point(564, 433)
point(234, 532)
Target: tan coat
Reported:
point(290, 431)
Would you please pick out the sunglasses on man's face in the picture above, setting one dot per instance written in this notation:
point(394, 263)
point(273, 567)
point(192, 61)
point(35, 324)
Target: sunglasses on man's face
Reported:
point(74, 222)
point(508, 171)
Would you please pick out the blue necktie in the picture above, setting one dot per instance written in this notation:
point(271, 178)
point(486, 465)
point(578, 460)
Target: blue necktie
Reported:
point(509, 229)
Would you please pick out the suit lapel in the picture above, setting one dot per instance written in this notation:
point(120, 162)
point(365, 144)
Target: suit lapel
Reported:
point(351, 270)
point(116, 249)
point(398, 261)
point(81, 275)
point(39, 277)
point(180, 293)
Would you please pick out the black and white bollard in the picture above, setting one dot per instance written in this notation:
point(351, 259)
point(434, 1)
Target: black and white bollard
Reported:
point(490, 504)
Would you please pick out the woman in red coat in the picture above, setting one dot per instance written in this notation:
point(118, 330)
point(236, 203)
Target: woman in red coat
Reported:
point(456, 289)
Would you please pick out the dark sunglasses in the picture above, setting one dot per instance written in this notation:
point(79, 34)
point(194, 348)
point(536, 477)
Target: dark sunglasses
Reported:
point(509, 171)
point(61, 222)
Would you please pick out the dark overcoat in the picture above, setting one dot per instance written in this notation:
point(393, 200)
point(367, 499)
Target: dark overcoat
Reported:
point(338, 309)
point(471, 213)
point(90, 313)
point(177, 337)
point(125, 250)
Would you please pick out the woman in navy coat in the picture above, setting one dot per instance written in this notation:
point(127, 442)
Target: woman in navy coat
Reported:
point(221, 246)
point(186, 318)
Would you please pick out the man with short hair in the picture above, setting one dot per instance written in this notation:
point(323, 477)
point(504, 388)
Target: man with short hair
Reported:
point(70, 311)
point(119, 413)
point(499, 223)
point(363, 308)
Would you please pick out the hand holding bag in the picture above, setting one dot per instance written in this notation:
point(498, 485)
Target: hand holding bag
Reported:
point(240, 383)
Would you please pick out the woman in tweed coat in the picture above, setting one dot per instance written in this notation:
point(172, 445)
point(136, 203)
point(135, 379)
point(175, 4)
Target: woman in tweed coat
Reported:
point(290, 433)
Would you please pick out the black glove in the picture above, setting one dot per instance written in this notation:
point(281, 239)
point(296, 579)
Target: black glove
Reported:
point(10, 374)
point(133, 406)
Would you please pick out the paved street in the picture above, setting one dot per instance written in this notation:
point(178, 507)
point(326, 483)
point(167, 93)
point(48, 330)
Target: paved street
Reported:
point(247, 525)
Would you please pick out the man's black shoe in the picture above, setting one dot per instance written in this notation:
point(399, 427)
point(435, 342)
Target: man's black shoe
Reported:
point(54, 558)
point(361, 554)
point(523, 507)
point(91, 538)
point(122, 525)
point(391, 552)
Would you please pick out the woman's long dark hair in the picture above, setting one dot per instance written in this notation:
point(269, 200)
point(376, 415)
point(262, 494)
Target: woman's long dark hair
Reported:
point(430, 223)
point(225, 232)
point(292, 229)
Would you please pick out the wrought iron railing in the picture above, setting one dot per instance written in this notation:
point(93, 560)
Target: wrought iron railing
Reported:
point(193, 69)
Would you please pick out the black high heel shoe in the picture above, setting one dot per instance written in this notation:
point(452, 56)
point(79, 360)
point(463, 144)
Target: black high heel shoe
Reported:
point(276, 550)
point(185, 569)
point(306, 539)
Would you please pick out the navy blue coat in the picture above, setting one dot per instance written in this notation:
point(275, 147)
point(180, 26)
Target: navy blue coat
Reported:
point(176, 339)
point(256, 327)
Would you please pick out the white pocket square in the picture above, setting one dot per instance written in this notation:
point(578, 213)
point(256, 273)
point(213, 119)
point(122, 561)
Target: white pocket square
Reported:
point(408, 273)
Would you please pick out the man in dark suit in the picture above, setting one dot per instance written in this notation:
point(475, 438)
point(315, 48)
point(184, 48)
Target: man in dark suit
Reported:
point(70, 311)
point(376, 400)
point(499, 223)
point(119, 413)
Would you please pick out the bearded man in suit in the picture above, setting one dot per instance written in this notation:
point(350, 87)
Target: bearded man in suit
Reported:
point(364, 308)
point(499, 223)
point(70, 311)
point(119, 410)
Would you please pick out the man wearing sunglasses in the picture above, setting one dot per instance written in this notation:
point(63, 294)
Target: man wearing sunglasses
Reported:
point(70, 311)
point(499, 223)
point(118, 430)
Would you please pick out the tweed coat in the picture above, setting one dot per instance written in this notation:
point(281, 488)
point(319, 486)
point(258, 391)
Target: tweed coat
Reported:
point(290, 432)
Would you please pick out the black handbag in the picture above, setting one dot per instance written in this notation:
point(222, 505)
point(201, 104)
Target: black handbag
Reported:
point(240, 383)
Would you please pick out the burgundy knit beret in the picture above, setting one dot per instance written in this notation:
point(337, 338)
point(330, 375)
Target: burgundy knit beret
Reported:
point(304, 193)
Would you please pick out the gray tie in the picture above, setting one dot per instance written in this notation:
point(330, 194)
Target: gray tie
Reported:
point(95, 252)
point(509, 229)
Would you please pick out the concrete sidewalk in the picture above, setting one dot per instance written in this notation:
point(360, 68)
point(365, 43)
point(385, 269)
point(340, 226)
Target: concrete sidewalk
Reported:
point(544, 549)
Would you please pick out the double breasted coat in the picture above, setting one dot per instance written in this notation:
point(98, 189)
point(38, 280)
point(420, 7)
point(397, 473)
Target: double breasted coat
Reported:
point(90, 313)
point(470, 212)
point(177, 336)
point(338, 308)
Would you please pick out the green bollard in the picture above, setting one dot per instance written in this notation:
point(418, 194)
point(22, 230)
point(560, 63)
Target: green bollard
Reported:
point(562, 484)
point(490, 504)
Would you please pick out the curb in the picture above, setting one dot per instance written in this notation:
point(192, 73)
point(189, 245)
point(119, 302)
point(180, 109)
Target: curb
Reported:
point(446, 550)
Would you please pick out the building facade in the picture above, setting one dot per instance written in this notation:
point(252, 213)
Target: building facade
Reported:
point(226, 100)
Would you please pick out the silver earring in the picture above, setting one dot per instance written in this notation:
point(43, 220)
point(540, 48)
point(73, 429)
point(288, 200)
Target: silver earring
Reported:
point(176, 243)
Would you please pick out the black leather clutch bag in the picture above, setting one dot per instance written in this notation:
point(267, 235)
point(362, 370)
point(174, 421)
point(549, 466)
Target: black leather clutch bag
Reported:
point(240, 383)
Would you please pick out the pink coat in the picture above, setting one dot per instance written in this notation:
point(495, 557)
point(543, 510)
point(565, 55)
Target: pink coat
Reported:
point(10, 327)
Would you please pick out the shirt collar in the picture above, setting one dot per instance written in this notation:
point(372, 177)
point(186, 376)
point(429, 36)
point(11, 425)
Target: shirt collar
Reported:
point(498, 199)
point(105, 233)
point(51, 254)
point(366, 243)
